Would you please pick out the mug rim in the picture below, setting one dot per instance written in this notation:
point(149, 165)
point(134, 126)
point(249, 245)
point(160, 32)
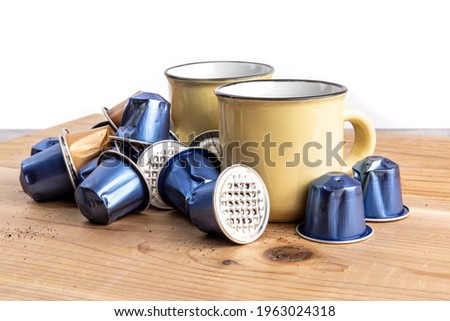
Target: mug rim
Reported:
point(270, 70)
point(342, 90)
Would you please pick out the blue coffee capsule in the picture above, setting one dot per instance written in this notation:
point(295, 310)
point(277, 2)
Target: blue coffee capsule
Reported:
point(335, 211)
point(114, 114)
point(381, 186)
point(44, 144)
point(146, 118)
point(152, 160)
point(184, 172)
point(87, 169)
point(239, 202)
point(44, 175)
point(233, 203)
point(114, 189)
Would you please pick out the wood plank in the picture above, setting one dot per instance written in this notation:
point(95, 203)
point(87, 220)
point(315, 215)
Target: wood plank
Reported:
point(48, 251)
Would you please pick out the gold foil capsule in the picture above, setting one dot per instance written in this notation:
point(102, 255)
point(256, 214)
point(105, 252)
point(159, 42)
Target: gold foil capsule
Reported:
point(82, 147)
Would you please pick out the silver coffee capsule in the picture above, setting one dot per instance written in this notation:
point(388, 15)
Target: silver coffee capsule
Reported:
point(152, 160)
point(240, 203)
point(208, 140)
point(233, 203)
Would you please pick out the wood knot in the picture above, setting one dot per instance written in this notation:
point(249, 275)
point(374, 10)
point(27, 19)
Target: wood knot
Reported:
point(144, 248)
point(228, 262)
point(288, 254)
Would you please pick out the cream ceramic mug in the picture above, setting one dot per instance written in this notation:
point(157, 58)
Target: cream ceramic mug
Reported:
point(291, 132)
point(194, 107)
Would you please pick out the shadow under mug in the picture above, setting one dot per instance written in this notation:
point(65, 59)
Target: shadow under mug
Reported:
point(194, 107)
point(291, 132)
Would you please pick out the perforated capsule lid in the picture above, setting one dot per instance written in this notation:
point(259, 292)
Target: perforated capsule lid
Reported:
point(152, 160)
point(241, 204)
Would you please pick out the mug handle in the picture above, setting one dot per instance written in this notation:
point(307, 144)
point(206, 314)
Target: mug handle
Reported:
point(365, 138)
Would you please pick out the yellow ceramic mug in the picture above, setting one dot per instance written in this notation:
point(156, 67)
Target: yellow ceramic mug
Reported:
point(291, 132)
point(194, 107)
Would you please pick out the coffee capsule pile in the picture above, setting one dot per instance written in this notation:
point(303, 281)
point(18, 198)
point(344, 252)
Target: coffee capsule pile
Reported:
point(133, 160)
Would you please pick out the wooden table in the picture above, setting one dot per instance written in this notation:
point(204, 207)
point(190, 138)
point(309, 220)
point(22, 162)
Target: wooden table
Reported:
point(48, 251)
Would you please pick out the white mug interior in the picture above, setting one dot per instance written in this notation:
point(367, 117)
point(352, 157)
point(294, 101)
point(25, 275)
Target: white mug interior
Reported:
point(219, 70)
point(280, 89)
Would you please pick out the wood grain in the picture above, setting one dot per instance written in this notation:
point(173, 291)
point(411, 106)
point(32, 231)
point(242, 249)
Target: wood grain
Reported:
point(48, 251)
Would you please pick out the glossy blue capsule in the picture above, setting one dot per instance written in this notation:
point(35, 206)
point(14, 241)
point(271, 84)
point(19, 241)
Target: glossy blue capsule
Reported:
point(114, 189)
point(87, 169)
point(335, 210)
point(381, 186)
point(146, 118)
point(183, 173)
point(44, 144)
point(44, 176)
point(233, 203)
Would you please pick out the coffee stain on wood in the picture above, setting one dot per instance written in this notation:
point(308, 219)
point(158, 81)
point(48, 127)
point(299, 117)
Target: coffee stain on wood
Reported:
point(288, 254)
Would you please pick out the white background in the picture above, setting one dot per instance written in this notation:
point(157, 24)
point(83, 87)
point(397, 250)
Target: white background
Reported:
point(61, 60)
point(345, 310)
